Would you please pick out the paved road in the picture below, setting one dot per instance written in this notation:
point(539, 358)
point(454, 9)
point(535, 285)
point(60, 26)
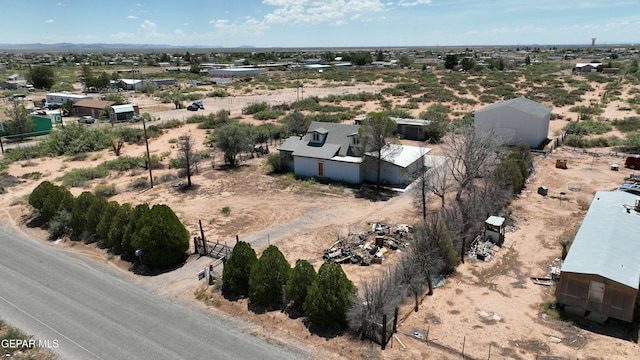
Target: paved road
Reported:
point(87, 311)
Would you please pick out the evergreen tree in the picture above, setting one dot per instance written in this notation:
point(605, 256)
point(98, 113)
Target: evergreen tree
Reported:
point(268, 275)
point(60, 198)
point(80, 210)
point(41, 76)
point(329, 297)
point(94, 214)
point(106, 219)
point(162, 237)
point(133, 226)
point(235, 275)
point(40, 193)
point(118, 226)
point(301, 278)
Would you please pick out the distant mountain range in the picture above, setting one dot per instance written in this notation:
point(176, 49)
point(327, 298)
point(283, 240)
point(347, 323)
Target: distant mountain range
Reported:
point(102, 46)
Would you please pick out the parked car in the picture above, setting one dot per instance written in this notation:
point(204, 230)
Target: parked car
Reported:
point(17, 96)
point(632, 162)
point(135, 118)
point(193, 107)
point(630, 188)
point(86, 119)
point(199, 104)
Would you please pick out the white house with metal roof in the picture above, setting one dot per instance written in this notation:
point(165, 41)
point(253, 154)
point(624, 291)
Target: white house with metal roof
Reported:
point(601, 273)
point(516, 120)
point(330, 150)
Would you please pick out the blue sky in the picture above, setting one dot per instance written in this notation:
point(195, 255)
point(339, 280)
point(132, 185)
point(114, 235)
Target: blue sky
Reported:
point(321, 23)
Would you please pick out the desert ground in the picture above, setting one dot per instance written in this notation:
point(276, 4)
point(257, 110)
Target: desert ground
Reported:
point(491, 309)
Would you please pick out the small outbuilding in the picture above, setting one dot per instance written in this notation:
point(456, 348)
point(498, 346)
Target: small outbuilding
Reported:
point(518, 120)
point(601, 274)
point(494, 230)
point(118, 113)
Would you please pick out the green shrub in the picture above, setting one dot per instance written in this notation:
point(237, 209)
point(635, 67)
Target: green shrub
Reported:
point(587, 127)
point(268, 275)
point(162, 237)
point(218, 93)
point(105, 190)
point(80, 176)
point(171, 124)
point(302, 276)
point(268, 114)
point(125, 163)
point(627, 124)
point(139, 183)
point(236, 271)
point(255, 108)
point(329, 297)
point(279, 162)
point(631, 143)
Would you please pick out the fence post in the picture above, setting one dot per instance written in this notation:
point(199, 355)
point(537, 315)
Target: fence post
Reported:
point(384, 331)
point(489, 358)
point(464, 339)
point(395, 321)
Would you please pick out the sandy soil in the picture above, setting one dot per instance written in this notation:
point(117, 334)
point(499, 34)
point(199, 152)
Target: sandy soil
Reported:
point(483, 304)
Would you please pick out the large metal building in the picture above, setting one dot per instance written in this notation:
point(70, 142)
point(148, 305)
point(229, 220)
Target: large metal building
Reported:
point(515, 121)
point(601, 274)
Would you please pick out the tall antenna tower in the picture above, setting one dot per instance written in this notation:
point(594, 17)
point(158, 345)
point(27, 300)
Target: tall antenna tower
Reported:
point(593, 41)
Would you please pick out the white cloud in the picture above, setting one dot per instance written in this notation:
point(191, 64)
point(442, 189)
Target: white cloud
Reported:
point(149, 29)
point(49, 21)
point(318, 12)
point(60, 4)
point(250, 26)
point(414, 3)
point(132, 17)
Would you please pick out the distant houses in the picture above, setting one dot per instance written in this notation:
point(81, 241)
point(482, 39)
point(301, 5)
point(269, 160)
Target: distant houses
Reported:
point(518, 120)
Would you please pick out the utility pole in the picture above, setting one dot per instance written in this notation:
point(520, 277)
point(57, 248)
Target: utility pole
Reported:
point(146, 141)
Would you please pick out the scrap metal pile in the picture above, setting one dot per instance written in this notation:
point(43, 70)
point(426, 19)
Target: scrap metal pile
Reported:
point(482, 250)
point(370, 247)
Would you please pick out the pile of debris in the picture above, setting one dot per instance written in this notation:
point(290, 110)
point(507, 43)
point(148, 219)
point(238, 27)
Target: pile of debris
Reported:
point(482, 250)
point(370, 247)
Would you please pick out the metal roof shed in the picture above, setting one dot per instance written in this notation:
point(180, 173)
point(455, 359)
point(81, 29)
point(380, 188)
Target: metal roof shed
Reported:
point(121, 112)
point(601, 273)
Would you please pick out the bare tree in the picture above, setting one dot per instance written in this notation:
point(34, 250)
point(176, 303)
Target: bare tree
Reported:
point(472, 154)
point(189, 157)
point(373, 134)
point(435, 178)
point(439, 180)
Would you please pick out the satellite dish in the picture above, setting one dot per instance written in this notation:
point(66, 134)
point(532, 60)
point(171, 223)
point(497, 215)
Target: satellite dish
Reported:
point(139, 252)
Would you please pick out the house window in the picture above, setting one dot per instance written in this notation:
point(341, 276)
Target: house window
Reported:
point(596, 291)
point(355, 140)
point(315, 137)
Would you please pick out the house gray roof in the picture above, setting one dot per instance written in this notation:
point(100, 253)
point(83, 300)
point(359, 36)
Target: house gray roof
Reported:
point(336, 142)
point(522, 104)
point(607, 242)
